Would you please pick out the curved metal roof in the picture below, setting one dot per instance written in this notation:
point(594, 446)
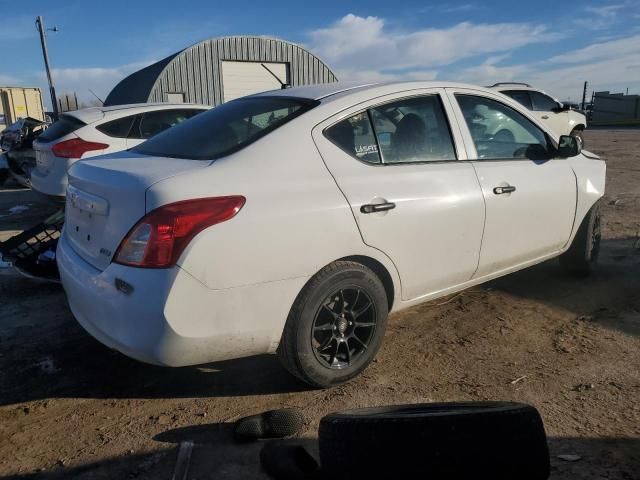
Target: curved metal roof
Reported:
point(196, 71)
point(135, 88)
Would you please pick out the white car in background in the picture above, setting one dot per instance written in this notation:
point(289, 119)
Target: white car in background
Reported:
point(95, 131)
point(293, 221)
point(550, 111)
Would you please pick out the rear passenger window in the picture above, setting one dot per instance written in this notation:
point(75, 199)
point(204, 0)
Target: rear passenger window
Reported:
point(520, 96)
point(413, 130)
point(355, 136)
point(542, 102)
point(117, 128)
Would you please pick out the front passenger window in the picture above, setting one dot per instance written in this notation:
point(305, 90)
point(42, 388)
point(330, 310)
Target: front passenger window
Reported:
point(500, 132)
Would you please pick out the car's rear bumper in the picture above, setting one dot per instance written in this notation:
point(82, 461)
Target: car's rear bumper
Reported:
point(53, 183)
point(170, 318)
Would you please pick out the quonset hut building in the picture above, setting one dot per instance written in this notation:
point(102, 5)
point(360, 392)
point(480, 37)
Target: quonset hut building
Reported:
point(220, 69)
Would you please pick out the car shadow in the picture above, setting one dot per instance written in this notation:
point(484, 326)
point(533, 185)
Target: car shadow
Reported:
point(55, 357)
point(609, 295)
point(216, 455)
point(84, 368)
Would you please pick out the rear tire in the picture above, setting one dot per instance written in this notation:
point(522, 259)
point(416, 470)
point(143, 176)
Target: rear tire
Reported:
point(585, 248)
point(335, 326)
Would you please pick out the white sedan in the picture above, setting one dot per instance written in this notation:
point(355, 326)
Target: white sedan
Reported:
point(550, 111)
point(294, 221)
point(94, 131)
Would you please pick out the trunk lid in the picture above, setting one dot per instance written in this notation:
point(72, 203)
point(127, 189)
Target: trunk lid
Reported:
point(106, 197)
point(45, 159)
point(60, 131)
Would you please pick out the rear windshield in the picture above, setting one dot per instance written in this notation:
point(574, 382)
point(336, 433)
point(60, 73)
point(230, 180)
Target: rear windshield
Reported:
point(225, 129)
point(64, 126)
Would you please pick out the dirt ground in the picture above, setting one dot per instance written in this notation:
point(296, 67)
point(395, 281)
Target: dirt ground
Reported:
point(71, 408)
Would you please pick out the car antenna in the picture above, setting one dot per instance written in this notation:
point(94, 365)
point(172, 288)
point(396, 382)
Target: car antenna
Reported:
point(99, 99)
point(283, 85)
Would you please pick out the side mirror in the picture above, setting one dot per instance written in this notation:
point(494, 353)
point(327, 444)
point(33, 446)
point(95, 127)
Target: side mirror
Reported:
point(568, 146)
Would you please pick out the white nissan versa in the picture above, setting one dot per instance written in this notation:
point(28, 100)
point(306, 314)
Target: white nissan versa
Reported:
point(293, 221)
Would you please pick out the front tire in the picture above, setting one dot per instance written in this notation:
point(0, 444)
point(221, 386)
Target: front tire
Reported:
point(585, 248)
point(336, 325)
point(578, 134)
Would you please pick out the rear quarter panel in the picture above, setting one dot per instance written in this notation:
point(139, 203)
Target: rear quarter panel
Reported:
point(295, 220)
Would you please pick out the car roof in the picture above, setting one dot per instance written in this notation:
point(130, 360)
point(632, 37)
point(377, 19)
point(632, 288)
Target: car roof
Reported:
point(94, 114)
point(335, 90)
point(513, 86)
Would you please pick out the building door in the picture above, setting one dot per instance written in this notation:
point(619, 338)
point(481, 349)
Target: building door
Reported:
point(246, 78)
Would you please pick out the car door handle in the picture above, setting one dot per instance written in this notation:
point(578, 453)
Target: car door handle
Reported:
point(501, 190)
point(377, 207)
point(545, 117)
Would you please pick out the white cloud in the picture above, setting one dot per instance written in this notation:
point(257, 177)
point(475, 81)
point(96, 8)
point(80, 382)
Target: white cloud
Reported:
point(356, 44)
point(603, 50)
point(16, 28)
point(613, 65)
point(8, 80)
point(465, 7)
point(81, 79)
point(599, 18)
point(367, 49)
point(376, 76)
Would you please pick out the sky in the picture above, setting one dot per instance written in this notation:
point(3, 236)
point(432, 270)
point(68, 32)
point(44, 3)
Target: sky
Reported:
point(553, 45)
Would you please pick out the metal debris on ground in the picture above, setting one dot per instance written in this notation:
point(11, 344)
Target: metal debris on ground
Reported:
point(18, 209)
point(4, 263)
point(32, 252)
point(181, 469)
point(570, 458)
point(583, 387)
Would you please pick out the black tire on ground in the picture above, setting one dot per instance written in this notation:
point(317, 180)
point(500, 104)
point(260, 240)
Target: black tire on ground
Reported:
point(342, 308)
point(578, 133)
point(583, 253)
point(476, 440)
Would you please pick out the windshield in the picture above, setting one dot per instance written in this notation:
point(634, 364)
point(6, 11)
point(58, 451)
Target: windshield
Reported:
point(226, 128)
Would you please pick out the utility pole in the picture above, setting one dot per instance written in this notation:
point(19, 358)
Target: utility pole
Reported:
point(584, 95)
point(45, 53)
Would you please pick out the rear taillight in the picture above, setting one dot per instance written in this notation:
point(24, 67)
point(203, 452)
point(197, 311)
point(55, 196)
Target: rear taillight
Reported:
point(75, 148)
point(159, 238)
